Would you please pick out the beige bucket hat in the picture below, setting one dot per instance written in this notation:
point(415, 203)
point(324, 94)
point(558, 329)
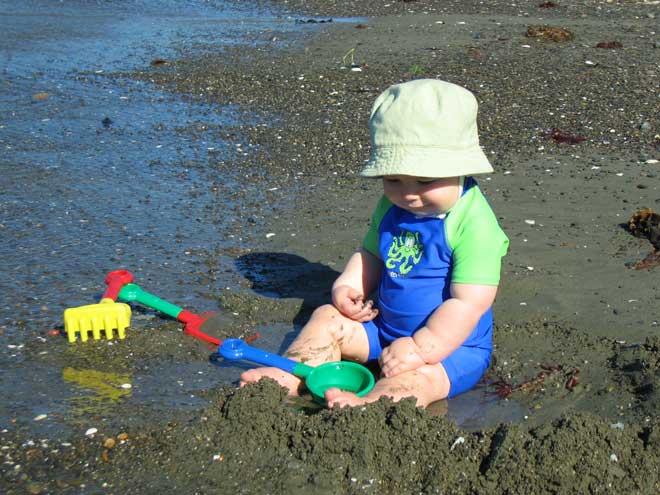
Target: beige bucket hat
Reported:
point(425, 128)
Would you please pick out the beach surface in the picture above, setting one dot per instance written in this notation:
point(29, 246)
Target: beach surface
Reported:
point(569, 116)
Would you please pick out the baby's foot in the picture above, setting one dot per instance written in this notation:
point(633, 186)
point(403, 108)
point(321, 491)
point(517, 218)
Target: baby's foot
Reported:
point(287, 380)
point(335, 396)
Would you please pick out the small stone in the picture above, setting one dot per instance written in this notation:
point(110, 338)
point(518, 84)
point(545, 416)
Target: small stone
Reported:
point(458, 441)
point(530, 222)
point(109, 443)
point(122, 437)
point(35, 488)
point(91, 432)
point(40, 417)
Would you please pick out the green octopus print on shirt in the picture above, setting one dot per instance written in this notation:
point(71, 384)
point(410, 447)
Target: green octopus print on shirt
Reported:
point(405, 250)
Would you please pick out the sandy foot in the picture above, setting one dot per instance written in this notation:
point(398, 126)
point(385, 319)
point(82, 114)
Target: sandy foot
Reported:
point(287, 380)
point(335, 396)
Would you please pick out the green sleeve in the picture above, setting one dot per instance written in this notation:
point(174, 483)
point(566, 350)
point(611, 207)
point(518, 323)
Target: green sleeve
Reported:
point(370, 242)
point(477, 241)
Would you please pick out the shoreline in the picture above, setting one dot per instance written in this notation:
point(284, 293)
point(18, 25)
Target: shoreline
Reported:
point(572, 317)
point(576, 338)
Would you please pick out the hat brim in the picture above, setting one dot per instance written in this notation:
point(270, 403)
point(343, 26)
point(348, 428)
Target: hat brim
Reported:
point(426, 162)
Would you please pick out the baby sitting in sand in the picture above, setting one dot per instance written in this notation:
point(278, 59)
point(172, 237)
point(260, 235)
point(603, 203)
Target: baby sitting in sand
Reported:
point(433, 252)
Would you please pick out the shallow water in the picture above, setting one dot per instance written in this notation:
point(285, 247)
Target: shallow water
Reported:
point(102, 172)
point(98, 171)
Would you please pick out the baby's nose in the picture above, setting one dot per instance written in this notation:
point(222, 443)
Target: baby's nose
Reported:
point(410, 194)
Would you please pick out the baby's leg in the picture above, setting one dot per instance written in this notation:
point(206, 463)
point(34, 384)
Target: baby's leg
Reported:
point(427, 384)
point(327, 336)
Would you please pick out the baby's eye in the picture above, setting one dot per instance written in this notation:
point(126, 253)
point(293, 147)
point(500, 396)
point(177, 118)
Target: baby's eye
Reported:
point(426, 182)
point(390, 180)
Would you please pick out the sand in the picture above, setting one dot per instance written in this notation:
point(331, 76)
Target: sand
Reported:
point(573, 134)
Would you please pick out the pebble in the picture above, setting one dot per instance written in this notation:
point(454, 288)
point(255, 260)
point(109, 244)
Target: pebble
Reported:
point(126, 385)
point(90, 432)
point(40, 417)
point(35, 488)
point(530, 222)
point(458, 441)
point(143, 317)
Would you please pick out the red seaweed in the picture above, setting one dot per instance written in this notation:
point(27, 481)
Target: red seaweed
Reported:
point(609, 44)
point(562, 137)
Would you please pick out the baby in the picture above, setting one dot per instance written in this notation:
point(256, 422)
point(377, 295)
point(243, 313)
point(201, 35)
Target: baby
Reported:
point(433, 253)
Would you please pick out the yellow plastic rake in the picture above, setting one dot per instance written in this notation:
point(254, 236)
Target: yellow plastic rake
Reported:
point(105, 316)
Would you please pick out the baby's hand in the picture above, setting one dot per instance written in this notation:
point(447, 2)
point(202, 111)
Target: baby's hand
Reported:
point(350, 303)
point(401, 355)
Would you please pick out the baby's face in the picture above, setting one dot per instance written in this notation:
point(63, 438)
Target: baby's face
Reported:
point(422, 195)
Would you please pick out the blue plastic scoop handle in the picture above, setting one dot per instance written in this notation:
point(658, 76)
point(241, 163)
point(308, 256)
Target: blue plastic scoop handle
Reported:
point(236, 349)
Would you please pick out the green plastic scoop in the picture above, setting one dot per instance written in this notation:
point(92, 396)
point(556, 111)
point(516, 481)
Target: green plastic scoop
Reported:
point(199, 326)
point(345, 375)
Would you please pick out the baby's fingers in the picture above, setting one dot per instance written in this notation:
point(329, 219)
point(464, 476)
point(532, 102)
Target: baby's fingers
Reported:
point(370, 316)
point(350, 308)
point(388, 364)
point(366, 313)
point(395, 367)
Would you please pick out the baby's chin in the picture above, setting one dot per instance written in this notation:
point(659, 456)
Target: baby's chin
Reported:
point(426, 212)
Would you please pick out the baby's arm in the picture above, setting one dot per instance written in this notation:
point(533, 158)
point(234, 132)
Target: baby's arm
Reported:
point(359, 278)
point(445, 330)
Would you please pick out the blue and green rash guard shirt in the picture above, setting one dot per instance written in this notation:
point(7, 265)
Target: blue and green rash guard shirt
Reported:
point(422, 256)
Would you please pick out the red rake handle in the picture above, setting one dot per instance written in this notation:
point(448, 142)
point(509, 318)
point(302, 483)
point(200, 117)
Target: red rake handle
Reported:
point(116, 280)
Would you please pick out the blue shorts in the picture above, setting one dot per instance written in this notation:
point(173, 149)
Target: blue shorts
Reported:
point(465, 366)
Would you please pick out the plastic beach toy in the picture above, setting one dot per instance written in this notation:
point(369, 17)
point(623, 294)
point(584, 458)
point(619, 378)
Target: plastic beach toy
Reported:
point(345, 375)
point(105, 316)
point(195, 325)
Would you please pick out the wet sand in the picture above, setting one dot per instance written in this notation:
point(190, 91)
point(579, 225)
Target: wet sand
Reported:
point(577, 325)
